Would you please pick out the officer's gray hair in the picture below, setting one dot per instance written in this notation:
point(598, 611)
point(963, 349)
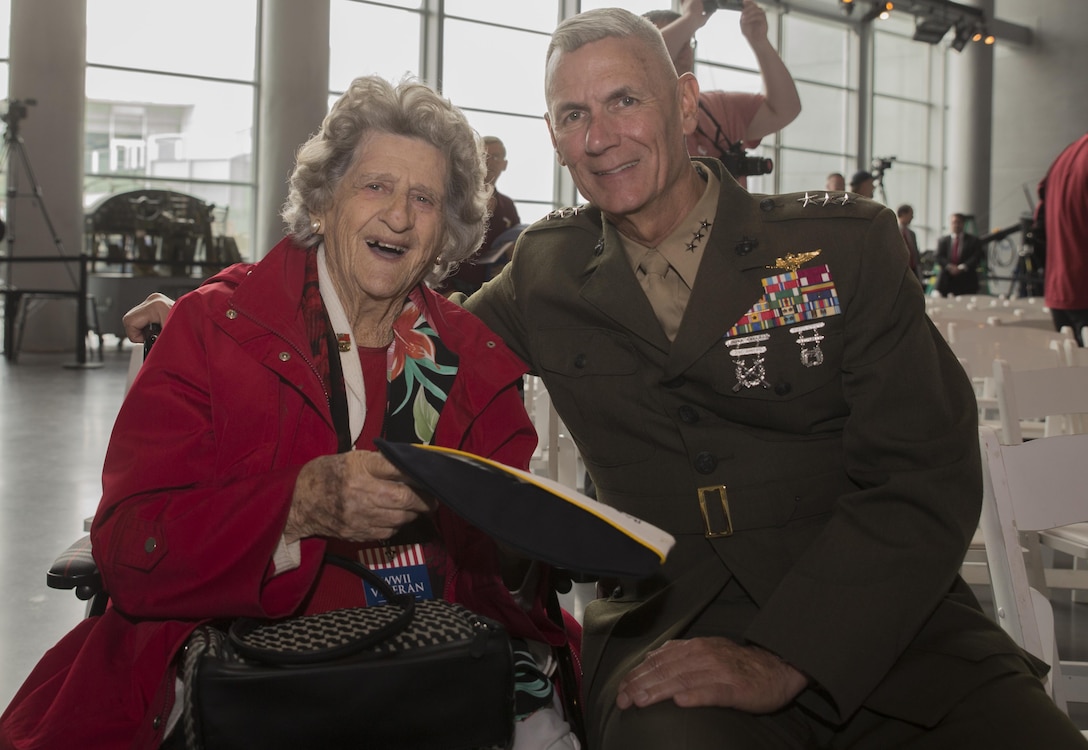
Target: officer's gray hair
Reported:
point(373, 105)
point(604, 23)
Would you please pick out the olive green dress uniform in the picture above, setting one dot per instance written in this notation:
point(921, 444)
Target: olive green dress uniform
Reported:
point(822, 502)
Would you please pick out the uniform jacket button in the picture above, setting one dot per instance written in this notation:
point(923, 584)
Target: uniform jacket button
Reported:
point(767, 204)
point(580, 361)
point(150, 544)
point(705, 462)
point(284, 356)
point(688, 415)
point(782, 389)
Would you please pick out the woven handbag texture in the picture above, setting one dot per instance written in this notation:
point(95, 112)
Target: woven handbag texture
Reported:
point(435, 623)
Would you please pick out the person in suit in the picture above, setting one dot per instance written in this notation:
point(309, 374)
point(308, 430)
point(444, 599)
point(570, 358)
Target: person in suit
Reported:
point(757, 376)
point(502, 215)
point(905, 215)
point(958, 256)
point(835, 182)
point(863, 183)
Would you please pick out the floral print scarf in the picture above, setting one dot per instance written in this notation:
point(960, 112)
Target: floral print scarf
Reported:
point(419, 367)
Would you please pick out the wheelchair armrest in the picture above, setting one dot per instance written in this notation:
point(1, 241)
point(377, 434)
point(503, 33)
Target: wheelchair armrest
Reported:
point(75, 569)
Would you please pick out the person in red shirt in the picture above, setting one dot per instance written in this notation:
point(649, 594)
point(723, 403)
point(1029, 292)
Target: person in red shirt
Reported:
point(728, 118)
point(1063, 194)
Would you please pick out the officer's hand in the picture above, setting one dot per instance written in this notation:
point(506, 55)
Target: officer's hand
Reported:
point(154, 309)
point(712, 672)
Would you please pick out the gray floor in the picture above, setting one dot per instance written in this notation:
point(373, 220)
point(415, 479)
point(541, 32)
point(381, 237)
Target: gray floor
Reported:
point(55, 422)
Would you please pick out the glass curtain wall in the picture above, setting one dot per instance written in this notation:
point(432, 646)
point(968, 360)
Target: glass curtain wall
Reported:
point(909, 113)
point(171, 92)
point(823, 58)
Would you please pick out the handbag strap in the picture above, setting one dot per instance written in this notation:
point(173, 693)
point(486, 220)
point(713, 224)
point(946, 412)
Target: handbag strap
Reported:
point(407, 603)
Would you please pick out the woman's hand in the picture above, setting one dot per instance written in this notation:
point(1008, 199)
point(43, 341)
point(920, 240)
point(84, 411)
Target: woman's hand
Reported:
point(358, 496)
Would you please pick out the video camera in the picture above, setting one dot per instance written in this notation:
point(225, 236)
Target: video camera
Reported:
point(709, 6)
point(880, 163)
point(740, 164)
point(17, 110)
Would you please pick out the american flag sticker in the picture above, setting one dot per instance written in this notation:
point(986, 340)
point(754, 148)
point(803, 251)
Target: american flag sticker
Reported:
point(397, 556)
point(790, 298)
point(403, 567)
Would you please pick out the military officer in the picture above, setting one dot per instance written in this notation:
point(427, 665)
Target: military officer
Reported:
point(757, 375)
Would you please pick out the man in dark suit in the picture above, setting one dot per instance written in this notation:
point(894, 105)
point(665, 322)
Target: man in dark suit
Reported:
point(905, 215)
point(958, 256)
point(756, 375)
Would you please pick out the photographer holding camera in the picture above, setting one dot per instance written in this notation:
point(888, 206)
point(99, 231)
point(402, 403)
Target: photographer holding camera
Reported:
point(731, 121)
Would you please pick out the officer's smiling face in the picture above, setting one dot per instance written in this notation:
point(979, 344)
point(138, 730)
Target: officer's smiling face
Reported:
point(614, 113)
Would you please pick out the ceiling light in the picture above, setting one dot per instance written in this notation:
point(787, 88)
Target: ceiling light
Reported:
point(963, 35)
point(931, 29)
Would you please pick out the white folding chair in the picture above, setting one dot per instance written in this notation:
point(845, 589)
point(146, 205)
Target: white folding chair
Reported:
point(1038, 403)
point(1032, 487)
point(980, 344)
point(1056, 398)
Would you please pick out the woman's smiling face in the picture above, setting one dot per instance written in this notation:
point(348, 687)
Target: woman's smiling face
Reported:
point(386, 224)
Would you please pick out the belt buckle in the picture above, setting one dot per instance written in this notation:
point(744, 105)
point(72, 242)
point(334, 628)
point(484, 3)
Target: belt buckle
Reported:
point(706, 496)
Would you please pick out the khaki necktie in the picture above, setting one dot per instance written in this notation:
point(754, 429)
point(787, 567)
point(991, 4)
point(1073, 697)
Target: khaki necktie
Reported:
point(664, 291)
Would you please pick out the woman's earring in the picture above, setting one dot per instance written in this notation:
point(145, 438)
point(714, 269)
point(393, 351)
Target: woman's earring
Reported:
point(438, 260)
point(316, 226)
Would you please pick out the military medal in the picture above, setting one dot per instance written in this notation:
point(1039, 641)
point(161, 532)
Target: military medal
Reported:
point(343, 342)
point(811, 353)
point(750, 373)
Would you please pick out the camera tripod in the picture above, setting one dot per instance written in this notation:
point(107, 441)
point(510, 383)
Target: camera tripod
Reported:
point(14, 156)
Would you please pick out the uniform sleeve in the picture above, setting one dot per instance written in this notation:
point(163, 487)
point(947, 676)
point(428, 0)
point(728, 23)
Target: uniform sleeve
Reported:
point(892, 549)
point(496, 305)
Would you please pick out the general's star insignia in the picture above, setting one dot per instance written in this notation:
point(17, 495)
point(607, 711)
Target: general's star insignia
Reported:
point(808, 200)
point(793, 261)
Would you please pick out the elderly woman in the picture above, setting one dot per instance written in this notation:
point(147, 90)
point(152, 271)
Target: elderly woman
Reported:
point(230, 471)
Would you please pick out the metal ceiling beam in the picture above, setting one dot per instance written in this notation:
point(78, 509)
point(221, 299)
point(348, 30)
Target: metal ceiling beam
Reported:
point(1005, 31)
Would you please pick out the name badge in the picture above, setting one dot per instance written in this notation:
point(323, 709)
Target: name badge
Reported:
point(402, 566)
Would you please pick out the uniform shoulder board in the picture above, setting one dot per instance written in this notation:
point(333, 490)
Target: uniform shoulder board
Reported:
point(584, 217)
point(817, 204)
point(567, 212)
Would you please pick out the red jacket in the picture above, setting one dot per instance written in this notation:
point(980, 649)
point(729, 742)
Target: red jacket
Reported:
point(197, 484)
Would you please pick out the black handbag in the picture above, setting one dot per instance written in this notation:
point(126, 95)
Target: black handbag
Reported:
point(408, 674)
